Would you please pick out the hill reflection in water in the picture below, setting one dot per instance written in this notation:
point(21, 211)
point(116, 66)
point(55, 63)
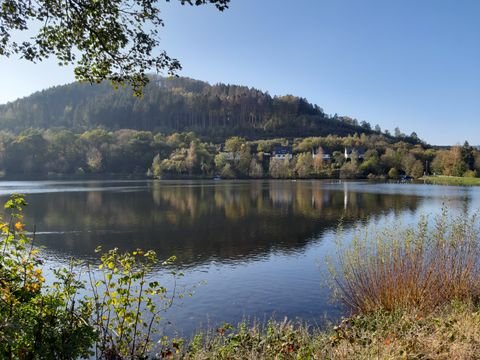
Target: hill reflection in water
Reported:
point(259, 245)
point(202, 221)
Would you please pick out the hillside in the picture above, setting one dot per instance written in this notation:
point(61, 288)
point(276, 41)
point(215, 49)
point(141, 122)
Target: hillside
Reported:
point(175, 105)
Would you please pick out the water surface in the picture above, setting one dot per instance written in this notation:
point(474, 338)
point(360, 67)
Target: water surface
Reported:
point(259, 246)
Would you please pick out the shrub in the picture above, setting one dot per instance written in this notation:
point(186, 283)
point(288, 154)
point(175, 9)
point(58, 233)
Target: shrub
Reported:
point(54, 321)
point(470, 173)
point(393, 173)
point(37, 321)
point(420, 268)
point(128, 304)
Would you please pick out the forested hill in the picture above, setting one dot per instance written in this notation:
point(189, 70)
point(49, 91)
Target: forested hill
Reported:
point(175, 105)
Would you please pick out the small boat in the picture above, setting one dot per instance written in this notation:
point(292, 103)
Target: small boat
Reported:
point(217, 177)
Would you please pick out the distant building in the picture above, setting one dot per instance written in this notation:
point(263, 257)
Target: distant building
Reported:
point(282, 152)
point(326, 155)
point(230, 156)
point(360, 153)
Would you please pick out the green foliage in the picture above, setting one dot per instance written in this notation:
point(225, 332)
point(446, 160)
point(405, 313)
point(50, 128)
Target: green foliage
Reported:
point(173, 105)
point(273, 340)
point(226, 172)
point(452, 332)
point(119, 320)
point(279, 169)
point(113, 40)
point(452, 180)
point(470, 174)
point(349, 170)
point(38, 321)
point(128, 304)
point(128, 151)
point(393, 173)
point(304, 165)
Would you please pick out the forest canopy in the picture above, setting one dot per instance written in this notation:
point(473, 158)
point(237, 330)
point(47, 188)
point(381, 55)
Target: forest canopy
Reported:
point(169, 105)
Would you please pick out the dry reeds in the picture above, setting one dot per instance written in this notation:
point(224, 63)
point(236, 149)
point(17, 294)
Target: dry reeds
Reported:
point(400, 268)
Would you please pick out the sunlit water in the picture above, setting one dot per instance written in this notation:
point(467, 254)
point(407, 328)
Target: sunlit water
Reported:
point(259, 248)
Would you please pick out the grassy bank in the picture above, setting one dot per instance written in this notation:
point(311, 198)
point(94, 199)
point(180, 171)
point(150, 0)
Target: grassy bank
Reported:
point(452, 332)
point(451, 180)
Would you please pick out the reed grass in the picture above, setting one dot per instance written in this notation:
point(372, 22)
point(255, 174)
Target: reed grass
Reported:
point(421, 267)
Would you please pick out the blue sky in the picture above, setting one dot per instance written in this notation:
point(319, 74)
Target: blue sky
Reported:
point(407, 63)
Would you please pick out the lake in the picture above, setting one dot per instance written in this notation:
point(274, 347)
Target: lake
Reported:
point(257, 249)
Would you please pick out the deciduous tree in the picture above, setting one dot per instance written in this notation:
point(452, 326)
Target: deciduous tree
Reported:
point(115, 40)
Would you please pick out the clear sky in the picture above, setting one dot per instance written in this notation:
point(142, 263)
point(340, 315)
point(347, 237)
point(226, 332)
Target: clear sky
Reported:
point(408, 63)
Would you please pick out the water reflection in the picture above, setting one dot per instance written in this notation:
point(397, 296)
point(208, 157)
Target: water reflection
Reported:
point(260, 245)
point(203, 221)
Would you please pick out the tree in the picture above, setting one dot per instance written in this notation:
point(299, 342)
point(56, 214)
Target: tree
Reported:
point(114, 40)
point(417, 169)
point(94, 159)
point(234, 144)
point(349, 170)
point(397, 132)
point(393, 173)
point(318, 160)
point(255, 170)
point(279, 168)
point(366, 125)
point(156, 167)
point(304, 165)
point(244, 160)
point(468, 156)
point(192, 157)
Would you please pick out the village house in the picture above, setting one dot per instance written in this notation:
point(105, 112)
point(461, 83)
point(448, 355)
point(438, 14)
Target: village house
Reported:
point(358, 152)
point(282, 152)
point(326, 155)
point(229, 156)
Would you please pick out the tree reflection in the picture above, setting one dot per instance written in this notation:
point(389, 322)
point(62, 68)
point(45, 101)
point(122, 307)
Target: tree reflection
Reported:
point(202, 222)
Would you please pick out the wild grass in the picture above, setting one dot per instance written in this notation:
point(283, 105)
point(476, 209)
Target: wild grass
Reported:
point(420, 268)
point(452, 332)
point(451, 180)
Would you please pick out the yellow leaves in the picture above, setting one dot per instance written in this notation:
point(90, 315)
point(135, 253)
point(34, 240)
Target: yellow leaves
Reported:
point(39, 275)
point(4, 228)
point(19, 226)
point(33, 287)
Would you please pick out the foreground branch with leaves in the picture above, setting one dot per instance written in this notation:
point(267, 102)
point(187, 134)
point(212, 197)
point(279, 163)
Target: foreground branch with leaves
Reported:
point(114, 40)
point(42, 319)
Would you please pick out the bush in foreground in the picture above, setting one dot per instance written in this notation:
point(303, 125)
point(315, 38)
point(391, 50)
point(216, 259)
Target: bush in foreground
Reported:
point(39, 320)
point(419, 268)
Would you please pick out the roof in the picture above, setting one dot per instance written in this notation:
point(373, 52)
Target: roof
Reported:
point(279, 150)
point(358, 150)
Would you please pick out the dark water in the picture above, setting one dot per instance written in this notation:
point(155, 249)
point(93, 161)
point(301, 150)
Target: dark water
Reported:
point(259, 246)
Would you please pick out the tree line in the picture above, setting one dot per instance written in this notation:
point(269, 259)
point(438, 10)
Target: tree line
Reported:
point(168, 105)
point(185, 154)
